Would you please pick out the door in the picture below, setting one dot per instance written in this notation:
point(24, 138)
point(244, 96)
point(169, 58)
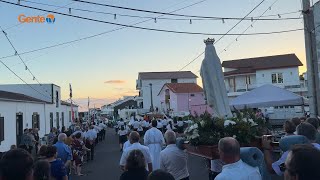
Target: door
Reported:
point(51, 121)
point(19, 128)
point(62, 119)
point(57, 120)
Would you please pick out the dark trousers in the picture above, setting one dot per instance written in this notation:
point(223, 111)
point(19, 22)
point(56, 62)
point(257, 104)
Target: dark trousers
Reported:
point(213, 175)
point(187, 178)
point(90, 154)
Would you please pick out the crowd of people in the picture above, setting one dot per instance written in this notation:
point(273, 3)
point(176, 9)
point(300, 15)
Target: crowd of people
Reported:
point(63, 153)
point(153, 154)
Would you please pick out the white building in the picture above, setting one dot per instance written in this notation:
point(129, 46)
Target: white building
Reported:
point(246, 74)
point(148, 82)
point(21, 108)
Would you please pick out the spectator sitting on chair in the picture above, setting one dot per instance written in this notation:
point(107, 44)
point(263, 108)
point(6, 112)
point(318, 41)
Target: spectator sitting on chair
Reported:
point(315, 123)
point(304, 129)
point(235, 168)
point(302, 163)
point(289, 128)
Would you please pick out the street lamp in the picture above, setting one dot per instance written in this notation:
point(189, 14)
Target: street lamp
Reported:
point(151, 106)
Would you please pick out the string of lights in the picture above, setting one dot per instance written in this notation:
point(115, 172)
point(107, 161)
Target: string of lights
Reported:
point(151, 29)
point(17, 54)
point(190, 20)
point(157, 12)
point(250, 26)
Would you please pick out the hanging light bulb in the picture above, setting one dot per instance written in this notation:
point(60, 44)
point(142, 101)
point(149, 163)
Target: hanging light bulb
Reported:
point(115, 16)
point(4, 33)
point(251, 25)
point(34, 78)
point(251, 19)
point(236, 39)
point(15, 53)
point(190, 21)
point(69, 10)
point(270, 8)
point(18, 1)
point(279, 15)
point(225, 50)
point(223, 21)
point(155, 20)
point(26, 67)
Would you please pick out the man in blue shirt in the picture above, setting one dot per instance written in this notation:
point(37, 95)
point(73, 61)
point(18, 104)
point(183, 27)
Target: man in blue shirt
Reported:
point(64, 151)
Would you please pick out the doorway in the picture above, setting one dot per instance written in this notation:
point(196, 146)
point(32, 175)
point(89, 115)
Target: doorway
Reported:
point(19, 128)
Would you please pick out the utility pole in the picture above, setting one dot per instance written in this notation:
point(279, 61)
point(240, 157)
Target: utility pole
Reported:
point(311, 57)
point(151, 106)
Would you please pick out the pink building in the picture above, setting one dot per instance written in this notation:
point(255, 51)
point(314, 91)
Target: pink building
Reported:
point(183, 97)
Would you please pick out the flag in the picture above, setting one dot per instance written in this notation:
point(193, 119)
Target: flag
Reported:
point(70, 91)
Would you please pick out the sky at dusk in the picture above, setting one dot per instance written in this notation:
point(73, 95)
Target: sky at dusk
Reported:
point(106, 67)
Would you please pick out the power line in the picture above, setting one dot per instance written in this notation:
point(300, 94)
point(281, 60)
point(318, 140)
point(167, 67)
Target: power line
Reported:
point(150, 29)
point(22, 79)
point(236, 39)
point(17, 54)
point(99, 34)
point(156, 12)
point(115, 15)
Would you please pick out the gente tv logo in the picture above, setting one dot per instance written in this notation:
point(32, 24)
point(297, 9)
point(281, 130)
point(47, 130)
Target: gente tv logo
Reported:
point(50, 19)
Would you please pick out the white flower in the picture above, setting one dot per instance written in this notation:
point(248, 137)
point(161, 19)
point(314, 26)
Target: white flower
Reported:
point(234, 136)
point(252, 122)
point(202, 123)
point(228, 122)
point(196, 126)
point(244, 120)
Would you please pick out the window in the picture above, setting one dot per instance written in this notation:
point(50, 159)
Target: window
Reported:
point(36, 120)
point(276, 107)
point(274, 78)
point(57, 120)
point(1, 129)
point(192, 95)
point(69, 116)
point(174, 80)
point(57, 99)
point(280, 78)
point(277, 78)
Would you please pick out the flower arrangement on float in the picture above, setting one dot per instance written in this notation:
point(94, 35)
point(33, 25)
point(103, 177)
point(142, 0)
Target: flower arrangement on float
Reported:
point(206, 131)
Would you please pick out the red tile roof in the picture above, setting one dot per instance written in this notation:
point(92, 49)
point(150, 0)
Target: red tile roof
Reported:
point(250, 65)
point(167, 75)
point(183, 87)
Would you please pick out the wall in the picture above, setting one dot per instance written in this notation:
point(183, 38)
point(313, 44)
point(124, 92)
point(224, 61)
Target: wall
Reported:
point(290, 76)
point(156, 87)
point(26, 90)
point(240, 82)
point(185, 100)
point(8, 110)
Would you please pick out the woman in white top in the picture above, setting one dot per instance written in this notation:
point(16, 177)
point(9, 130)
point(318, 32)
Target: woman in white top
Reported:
point(122, 136)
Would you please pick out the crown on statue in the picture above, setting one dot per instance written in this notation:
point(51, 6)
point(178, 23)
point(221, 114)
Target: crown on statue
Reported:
point(209, 41)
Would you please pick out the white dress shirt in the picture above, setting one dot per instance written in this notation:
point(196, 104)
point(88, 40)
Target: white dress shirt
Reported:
point(239, 171)
point(126, 145)
point(143, 149)
point(174, 161)
point(91, 134)
point(180, 123)
point(136, 124)
point(159, 125)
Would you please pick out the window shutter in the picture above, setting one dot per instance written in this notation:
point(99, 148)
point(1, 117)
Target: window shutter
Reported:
point(1, 129)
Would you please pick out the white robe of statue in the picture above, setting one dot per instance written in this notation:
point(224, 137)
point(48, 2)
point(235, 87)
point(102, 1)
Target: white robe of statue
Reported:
point(154, 140)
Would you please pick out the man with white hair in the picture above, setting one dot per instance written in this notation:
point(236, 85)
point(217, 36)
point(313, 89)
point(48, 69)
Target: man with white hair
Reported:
point(172, 159)
point(64, 151)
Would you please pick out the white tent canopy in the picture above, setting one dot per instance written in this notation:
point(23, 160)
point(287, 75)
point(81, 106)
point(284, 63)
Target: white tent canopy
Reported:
point(266, 96)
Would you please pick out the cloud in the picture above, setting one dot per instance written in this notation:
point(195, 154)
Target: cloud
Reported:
point(117, 81)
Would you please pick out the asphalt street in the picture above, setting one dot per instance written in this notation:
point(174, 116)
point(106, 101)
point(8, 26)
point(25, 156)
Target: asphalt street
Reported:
point(106, 163)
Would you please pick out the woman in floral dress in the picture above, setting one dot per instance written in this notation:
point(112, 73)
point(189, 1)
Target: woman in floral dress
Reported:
point(78, 147)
